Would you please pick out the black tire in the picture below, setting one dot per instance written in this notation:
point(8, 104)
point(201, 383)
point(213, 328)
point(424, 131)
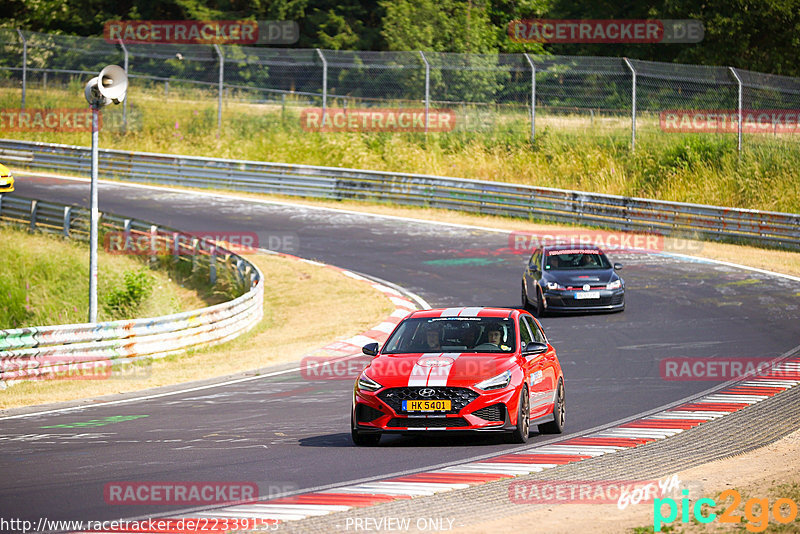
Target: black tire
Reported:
point(526, 305)
point(556, 426)
point(363, 439)
point(523, 430)
point(539, 303)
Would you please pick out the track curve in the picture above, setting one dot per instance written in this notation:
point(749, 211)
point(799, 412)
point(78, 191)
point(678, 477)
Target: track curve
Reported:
point(284, 432)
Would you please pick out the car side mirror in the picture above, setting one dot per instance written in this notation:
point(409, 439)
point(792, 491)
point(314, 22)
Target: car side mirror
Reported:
point(370, 349)
point(535, 347)
point(617, 266)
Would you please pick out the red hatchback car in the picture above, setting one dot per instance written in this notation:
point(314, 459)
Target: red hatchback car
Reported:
point(460, 369)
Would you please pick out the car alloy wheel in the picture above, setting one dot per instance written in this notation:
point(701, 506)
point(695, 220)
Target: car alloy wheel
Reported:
point(556, 426)
point(539, 303)
point(521, 433)
point(526, 305)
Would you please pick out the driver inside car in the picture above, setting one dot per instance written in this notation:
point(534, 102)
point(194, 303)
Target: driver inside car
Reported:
point(433, 339)
point(494, 335)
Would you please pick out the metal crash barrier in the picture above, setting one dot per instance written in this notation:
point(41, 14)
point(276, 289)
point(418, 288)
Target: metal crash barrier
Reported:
point(92, 350)
point(476, 196)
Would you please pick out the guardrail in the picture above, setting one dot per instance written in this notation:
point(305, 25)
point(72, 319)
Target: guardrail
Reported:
point(478, 196)
point(82, 350)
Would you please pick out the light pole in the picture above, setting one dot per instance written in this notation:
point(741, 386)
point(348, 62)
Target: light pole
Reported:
point(108, 87)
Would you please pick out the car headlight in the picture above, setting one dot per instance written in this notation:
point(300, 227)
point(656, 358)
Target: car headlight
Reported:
point(554, 285)
point(616, 284)
point(497, 382)
point(365, 382)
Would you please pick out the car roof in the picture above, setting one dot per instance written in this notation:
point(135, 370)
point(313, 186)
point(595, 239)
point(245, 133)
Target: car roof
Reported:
point(466, 311)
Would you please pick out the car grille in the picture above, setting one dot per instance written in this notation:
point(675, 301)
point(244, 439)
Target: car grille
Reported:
point(460, 397)
point(495, 412)
point(367, 414)
point(572, 302)
point(427, 422)
point(617, 299)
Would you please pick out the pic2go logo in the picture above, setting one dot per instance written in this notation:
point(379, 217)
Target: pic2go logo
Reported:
point(756, 511)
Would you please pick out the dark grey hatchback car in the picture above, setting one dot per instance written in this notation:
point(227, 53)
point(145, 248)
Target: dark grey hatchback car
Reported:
point(572, 278)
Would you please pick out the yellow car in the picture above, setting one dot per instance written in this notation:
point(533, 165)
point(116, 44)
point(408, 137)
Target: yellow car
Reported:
point(6, 180)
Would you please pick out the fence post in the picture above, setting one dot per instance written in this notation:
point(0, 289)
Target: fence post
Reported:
point(176, 247)
point(212, 265)
point(533, 96)
point(126, 230)
point(324, 84)
point(124, 102)
point(67, 219)
point(24, 65)
point(427, 88)
point(739, 106)
point(195, 252)
point(153, 245)
point(221, 88)
point(34, 210)
point(633, 104)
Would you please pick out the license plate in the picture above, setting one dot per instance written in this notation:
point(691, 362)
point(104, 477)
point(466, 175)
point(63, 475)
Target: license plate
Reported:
point(588, 295)
point(432, 405)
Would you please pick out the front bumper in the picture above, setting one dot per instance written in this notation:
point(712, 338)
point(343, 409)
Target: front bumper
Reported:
point(565, 301)
point(489, 411)
point(6, 185)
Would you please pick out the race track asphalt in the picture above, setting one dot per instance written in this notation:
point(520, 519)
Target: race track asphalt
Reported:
point(286, 433)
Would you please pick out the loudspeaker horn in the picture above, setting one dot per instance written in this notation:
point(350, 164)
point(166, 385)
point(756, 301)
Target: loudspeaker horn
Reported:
point(113, 83)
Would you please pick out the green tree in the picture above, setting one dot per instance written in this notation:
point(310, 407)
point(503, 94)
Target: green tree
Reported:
point(438, 26)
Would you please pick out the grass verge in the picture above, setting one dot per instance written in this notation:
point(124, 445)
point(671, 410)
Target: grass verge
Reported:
point(44, 280)
point(571, 152)
point(295, 292)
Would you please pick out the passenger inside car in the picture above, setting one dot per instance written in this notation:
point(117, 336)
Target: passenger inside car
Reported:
point(494, 335)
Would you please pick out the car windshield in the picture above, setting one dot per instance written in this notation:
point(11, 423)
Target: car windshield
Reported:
point(452, 334)
point(575, 259)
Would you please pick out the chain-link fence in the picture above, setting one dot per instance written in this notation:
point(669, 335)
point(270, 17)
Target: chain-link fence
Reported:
point(596, 94)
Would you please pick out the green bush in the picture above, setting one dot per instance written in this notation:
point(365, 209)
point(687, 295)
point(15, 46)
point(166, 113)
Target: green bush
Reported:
point(124, 301)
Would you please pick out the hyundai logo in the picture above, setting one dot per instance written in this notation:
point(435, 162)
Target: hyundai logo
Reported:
point(427, 392)
point(436, 362)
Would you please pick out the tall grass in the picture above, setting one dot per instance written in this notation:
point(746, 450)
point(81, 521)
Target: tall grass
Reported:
point(570, 151)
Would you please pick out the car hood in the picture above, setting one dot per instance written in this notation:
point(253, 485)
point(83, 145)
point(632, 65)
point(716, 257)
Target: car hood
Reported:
point(581, 277)
point(437, 369)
